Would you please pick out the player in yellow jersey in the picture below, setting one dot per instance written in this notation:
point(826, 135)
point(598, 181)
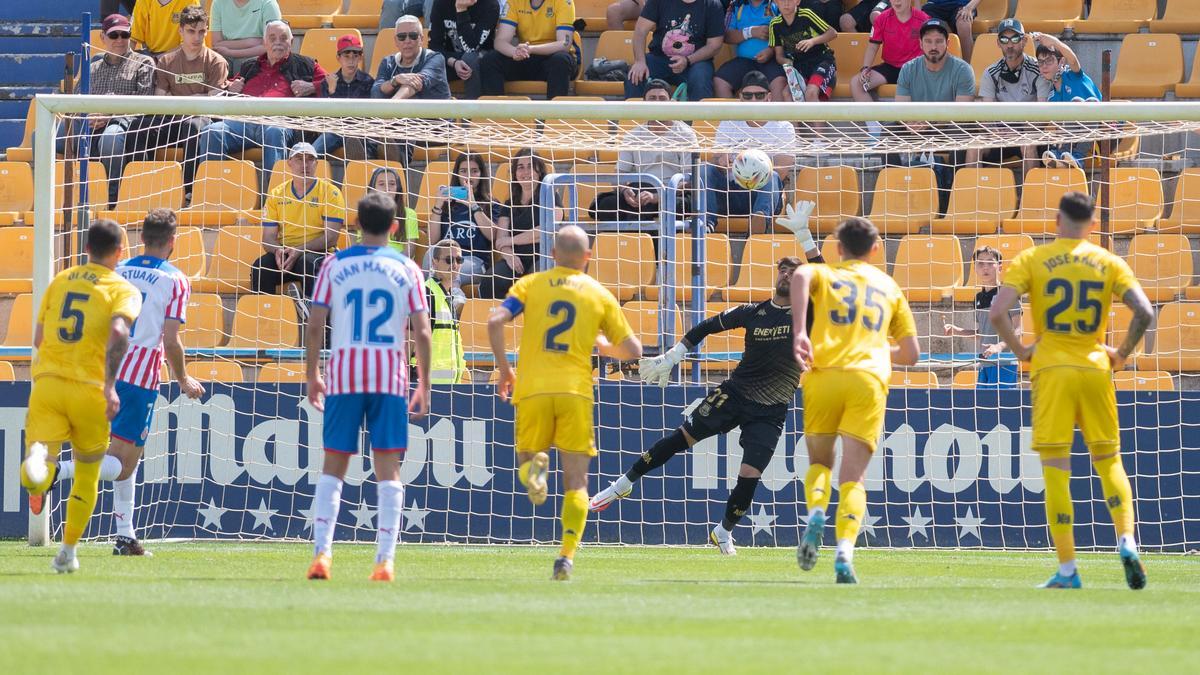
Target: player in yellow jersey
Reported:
point(1071, 283)
point(856, 307)
point(81, 337)
point(565, 313)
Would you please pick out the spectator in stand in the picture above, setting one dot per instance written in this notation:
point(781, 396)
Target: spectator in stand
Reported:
point(156, 24)
point(746, 27)
point(897, 32)
point(517, 225)
point(687, 34)
point(238, 27)
point(992, 374)
point(192, 69)
point(413, 71)
point(302, 219)
point(957, 13)
point(545, 49)
point(465, 215)
point(277, 74)
point(723, 196)
point(350, 81)
point(386, 180)
point(445, 301)
point(1060, 67)
point(462, 31)
point(801, 35)
point(936, 77)
point(861, 17)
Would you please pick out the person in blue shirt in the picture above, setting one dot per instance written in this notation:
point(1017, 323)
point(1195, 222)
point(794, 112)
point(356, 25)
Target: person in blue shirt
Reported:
point(1058, 63)
point(746, 28)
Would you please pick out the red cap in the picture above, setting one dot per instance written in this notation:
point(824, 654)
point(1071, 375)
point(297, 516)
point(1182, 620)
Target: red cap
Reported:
point(349, 41)
point(115, 21)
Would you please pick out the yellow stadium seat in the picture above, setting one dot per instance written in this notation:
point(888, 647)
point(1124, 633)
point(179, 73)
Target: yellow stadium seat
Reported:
point(722, 348)
point(265, 322)
point(593, 12)
point(16, 191)
point(24, 151)
point(321, 43)
point(1039, 199)
point(928, 266)
point(717, 267)
point(623, 262)
point(1137, 199)
point(836, 191)
point(16, 265)
point(1176, 339)
point(1185, 207)
point(359, 14)
point(97, 188)
point(913, 379)
point(1150, 65)
point(1117, 323)
point(1181, 17)
point(472, 327)
point(235, 250)
point(1118, 16)
point(281, 174)
point(1162, 263)
point(385, 45)
point(760, 257)
point(905, 199)
point(612, 44)
point(1009, 245)
point(20, 322)
point(146, 186)
point(1191, 88)
point(964, 379)
point(358, 178)
point(987, 15)
point(226, 372)
point(1049, 16)
point(7, 373)
point(205, 327)
point(1143, 380)
point(643, 317)
point(189, 255)
point(282, 372)
point(435, 176)
point(980, 200)
point(829, 251)
point(849, 50)
point(224, 192)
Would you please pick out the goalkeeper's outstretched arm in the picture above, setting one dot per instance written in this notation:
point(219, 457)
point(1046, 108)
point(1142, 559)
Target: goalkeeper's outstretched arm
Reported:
point(657, 369)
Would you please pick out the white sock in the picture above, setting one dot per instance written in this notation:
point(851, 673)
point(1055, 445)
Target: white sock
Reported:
point(110, 468)
point(391, 503)
point(722, 533)
point(1066, 569)
point(845, 550)
point(69, 550)
point(66, 470)
point(622, 483)
point(122, 504)
point(325, 506)
point(1128, 542)
point(816, 512)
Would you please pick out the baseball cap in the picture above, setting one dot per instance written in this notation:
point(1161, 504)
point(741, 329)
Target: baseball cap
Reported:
point(754, 78)
point(349, 41)
point(1012, 25)
point(302, 149)
point(115, 22)
point(935, 24)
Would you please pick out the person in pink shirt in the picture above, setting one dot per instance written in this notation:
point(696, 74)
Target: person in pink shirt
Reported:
point(897, 31)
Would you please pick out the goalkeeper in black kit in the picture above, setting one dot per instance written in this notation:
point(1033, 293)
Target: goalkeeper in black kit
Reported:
point(756, 397)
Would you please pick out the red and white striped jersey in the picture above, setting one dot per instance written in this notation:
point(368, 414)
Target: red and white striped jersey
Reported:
point(165, 292)
point(370, 292)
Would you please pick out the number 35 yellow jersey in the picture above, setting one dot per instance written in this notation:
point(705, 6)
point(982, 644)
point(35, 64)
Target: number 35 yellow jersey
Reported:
point(1071, 284)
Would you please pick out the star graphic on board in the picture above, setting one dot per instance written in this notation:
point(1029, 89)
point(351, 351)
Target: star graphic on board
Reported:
point(868, 523)
point(308, 515)
point(762, 522)
point(363, 515)
point(262, 516)
point(414, 517)
point(969, 524)
point(211, 513)
point(918, 523)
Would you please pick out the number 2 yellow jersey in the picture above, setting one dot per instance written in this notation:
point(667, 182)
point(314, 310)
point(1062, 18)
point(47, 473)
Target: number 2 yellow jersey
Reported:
point(564, 311)
point(1071, 283)
point(75, 316)
point(856, 308)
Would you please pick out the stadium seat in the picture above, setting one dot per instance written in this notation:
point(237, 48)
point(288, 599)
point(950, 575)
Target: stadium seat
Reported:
point(146, 186)
point(235, 249)
point(20, 322)
point(16, 265)
point(1185, 207)
point(721, 351)
point(1143, 380)
point(1137, 199)
point(964, 379)
point(1181, 17)
point(643, 317)
point(24, 151)
point(1118, 16)
point(385, 45)
point(358, 177)
point(265, 322)
point(281, 174)
point(1151, 64)
point(359, 14)
point(205, 327)
point(980, 200)
point(612, 44)
point(905, 199)
point(224, 193)
point(1117, 324)
point(321, 43)
point(1162, 263)
point(928, 266)
point(718, 267)
point(226, 372)
point(1009, 246)
point(987, 52)
point(1176, 339)
point(829, 251)
point(836, 191)
point(849, 50)
point(1049, 16)
point(472, 327)
point(756, 279)
point(593, 13)
point(281, 372)
point(7, 373)
point(435, 176)
point(987, 15)
point(913, 379)
point(189, 256)
point(623, 262)
point(16, 191)
point(97, 181)
point(1039, 199)
point(1191, 88)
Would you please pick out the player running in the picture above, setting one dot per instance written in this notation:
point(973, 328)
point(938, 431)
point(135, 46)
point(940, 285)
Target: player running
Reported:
point(565, 312)
point(756, 398)
point(1071, 283)
point(81, 337)
point(371, 295)
point(856, 307)
point(165, 291)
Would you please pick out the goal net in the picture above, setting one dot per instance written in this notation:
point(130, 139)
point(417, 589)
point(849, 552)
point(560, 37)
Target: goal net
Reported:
point(676, 239)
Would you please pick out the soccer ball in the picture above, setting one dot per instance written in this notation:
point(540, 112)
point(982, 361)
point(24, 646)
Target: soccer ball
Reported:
point(752, 169)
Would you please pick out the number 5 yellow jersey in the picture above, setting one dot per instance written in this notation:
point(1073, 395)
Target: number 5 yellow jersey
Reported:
point(564, 311)
point(75, 316)
point(1071, 284)
point(856, 308)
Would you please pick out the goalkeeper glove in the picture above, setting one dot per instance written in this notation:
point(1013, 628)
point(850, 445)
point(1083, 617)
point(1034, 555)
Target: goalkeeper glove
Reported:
point(657, 369)
point(796, 219)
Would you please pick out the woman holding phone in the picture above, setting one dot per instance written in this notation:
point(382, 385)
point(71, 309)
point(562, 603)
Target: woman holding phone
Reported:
point(463, 213)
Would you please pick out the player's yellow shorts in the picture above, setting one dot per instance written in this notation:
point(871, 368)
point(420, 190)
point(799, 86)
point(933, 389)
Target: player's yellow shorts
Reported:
point(67, 410)
point(851, 402)
point(562, 421)
point(1064, 397)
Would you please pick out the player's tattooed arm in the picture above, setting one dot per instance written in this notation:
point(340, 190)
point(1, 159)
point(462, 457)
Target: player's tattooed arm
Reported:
point(118, 344)
point(1143, 317)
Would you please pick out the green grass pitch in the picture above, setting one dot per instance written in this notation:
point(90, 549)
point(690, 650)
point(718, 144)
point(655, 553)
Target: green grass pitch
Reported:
point(234, 608)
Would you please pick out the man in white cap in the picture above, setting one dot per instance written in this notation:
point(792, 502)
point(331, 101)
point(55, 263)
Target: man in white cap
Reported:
point(302, 219)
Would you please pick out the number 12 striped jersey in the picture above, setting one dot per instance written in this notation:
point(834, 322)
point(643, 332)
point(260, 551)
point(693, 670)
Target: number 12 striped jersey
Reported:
point(370, 292)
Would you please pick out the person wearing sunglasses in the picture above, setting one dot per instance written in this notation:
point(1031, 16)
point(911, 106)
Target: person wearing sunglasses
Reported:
point(413, 71)
point(445, 300)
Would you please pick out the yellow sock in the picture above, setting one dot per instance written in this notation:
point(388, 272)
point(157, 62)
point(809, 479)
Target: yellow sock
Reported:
point(816, 486)
point(1117, 493)
point(82, 500)
point(523, 473)
point(852, 506)
point(574, 519)
point(1060, 512)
